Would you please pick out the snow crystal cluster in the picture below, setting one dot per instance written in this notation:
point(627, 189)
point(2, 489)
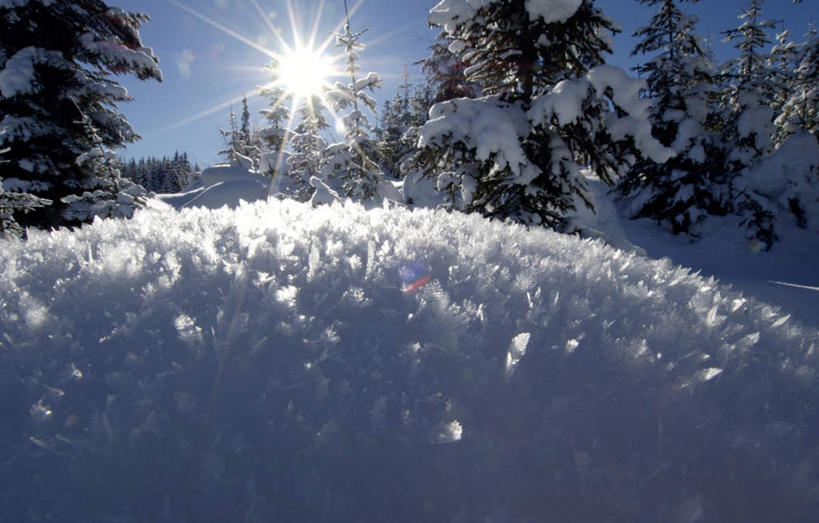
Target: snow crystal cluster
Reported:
point(267, 363)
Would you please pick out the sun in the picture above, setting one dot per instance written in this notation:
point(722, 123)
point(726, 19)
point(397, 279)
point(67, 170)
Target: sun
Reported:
point(303, 72)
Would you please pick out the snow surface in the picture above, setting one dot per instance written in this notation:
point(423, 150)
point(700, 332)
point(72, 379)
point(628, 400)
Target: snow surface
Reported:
point(219, 186)
point(266, 363)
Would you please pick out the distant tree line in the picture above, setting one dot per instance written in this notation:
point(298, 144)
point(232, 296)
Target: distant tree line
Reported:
point(161, 175)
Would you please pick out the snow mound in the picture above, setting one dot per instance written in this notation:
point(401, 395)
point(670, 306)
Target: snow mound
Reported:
point(223, 185)
point(283, 362)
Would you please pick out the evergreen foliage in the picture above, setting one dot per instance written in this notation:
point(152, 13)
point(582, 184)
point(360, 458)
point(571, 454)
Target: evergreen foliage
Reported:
point(445, 72)
point(401, 119)
point(274, 136)
point(749, 92)
point(307, 156)
point(800, 108)
point(161, 175)
point(550, 106)
point(243, 145)
point(111, 195)
point(740, 141)
point(352, 164)
point(58, 101)
point(749, 89)
point(395, 120)
point(15, 202)
point(679, 74)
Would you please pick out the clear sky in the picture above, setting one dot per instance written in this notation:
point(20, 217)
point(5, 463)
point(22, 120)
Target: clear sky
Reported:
point(211, 52)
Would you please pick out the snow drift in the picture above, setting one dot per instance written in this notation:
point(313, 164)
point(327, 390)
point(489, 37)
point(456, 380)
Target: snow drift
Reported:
point(271, 363)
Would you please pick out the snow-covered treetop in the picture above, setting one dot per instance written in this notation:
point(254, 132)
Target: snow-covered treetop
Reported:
point(450, 13)
point(539, 42)
point(749, 38)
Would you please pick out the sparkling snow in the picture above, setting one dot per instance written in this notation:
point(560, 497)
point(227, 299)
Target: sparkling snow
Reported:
point(262, 363)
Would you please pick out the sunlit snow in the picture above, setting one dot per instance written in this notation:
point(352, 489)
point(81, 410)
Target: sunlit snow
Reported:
point(265, 363)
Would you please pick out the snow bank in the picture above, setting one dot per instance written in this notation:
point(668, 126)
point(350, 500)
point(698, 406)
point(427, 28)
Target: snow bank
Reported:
point(273, 362)
point(223, 185)
point(789, 178)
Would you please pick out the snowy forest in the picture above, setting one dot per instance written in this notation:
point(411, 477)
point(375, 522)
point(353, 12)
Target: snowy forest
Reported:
point(534, 286)
point(691, 139)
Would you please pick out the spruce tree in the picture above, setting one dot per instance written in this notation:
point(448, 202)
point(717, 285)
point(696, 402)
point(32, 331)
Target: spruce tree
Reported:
point(748, 94)
point(15, 202)
point(307, 156)
point(782, 62)
point(800, 110)
point(274, 137)
point(232, 138)
point(245, 130)
point(58, 100)
point(679, 75)
point(550, 107)
point(396, 119)
point(749, 88)
point(353, 163)
point(445, 72)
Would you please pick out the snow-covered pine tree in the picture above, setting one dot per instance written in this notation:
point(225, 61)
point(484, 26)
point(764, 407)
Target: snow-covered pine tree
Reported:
point(782, 63)
point(353, 162)
point(421, 102)
point(245, 129)
point(12, 203)
point(749, 88)
point(58, 99)
point(800, 111)
point(784, 186)
point(748, 94)
point(551, 107)
point(445, 72)
point(274, 137)
point(15, 202)
point(113, 196)
point(679, 74)
point(308, 148)
point(396, 119)
point(234, 143)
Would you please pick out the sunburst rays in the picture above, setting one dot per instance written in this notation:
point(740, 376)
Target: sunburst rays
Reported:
point(301, 43)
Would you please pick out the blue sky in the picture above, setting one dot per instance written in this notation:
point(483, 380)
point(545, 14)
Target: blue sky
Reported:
point(207, 69)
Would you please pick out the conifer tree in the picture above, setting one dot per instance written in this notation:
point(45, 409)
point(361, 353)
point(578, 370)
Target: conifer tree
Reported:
point(748, 94)
point(396, 119)
point(245, 130)
point(550, 106)
point(749, 88)
point(15, 202)
point(58, 98)
point(782, 63)
point(800, 110)
point(445, 72)
point(274, 137)
point(233, 139)
point(421, 102)
point(306, 159)
point(679, 75)
point(353, 163)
